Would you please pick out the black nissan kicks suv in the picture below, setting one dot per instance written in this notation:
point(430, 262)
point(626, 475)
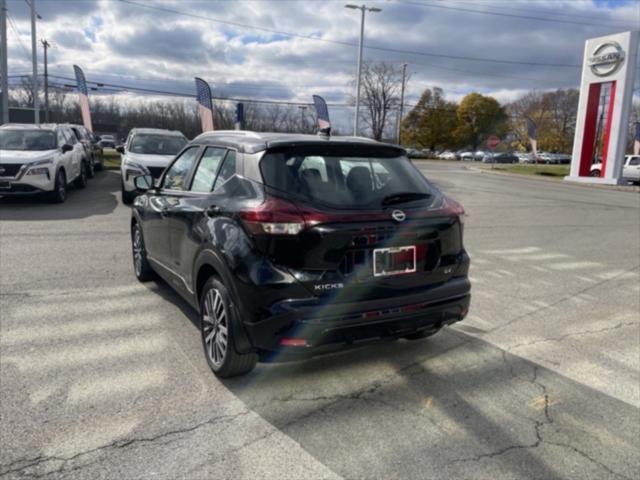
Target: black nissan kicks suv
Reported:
point(290, 244)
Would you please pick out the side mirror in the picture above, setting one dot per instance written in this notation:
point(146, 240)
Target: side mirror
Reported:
point(143, 183)
point(66, 148)
point(120, 149)
point(97, 138)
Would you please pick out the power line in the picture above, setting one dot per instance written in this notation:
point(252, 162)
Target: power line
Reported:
point(499, 14)
point(15, 30)
point(338, 42)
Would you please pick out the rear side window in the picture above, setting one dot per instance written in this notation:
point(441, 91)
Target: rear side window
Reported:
point(355, 177)
point(207, 169)
point(634, 161)
point(227, 170)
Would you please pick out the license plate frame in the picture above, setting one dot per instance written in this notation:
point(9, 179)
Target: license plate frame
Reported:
point(379, 271)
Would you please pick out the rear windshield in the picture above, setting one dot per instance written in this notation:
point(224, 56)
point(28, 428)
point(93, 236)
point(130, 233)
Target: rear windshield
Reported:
point(157, 144)
point(27, 140)
point(351, 178)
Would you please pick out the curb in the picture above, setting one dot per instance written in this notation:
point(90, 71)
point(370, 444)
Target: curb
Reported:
point(621, 188)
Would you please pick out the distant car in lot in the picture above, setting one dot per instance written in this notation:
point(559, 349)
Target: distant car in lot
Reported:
point(467, 156)
point(289, 244)
point(630, 170)
point(40, 159)
point(474, 156)
point(525, 157)
point(147, 151)
point(447, 155)
point(413, 153)
point(107, 141)
point(500, 157)
point(92, 150)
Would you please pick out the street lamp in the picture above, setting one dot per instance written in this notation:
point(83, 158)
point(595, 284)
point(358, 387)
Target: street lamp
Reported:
point(363, 8)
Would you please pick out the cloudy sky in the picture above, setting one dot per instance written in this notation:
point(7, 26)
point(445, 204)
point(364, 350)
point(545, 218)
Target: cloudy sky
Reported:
point(289, 49)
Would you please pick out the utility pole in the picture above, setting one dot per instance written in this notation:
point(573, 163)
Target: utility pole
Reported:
point(303, 109)
point(4, 80)
point(363, 8)
point(45, 45)
point(404, 81)
point(34, 62)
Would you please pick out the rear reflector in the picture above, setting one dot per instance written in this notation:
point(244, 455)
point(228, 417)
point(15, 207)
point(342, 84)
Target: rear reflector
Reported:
point(293, 342)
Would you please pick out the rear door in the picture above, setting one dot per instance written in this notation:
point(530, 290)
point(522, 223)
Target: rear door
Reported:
point(189, 210)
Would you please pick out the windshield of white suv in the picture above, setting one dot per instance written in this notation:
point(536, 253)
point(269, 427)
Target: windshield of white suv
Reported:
point(345, 178)
point(27, 140)
point(151, 144)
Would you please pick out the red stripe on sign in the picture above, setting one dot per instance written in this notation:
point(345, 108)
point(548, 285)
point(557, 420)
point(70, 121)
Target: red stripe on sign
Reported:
point(589, 133)
point(607, 129)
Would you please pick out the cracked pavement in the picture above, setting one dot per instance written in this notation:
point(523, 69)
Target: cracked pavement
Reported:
point(102, 377)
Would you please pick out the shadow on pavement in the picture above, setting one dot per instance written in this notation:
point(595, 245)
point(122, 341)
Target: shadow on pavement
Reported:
point(98, 198)
point(452, 406)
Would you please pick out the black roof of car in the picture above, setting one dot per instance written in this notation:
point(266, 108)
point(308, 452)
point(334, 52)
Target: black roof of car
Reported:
point(253, 142)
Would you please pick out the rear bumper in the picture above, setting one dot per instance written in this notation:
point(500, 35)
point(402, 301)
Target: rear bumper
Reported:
point(311, 324)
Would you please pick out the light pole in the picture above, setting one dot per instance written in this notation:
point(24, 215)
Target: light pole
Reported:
point(303, 109)
point(4, 81)
point(45, 45)
point(34, 61)
point(404, 81)
point(363, 8)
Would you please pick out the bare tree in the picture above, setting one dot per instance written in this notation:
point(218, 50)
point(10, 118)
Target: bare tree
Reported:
point(380, 86)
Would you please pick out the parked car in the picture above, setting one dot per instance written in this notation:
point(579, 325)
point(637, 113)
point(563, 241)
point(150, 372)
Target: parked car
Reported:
point(107, 141)
point(525, 157)
point(40, 159)
point(468, 156)
point(447, 155)
point(630, 170)
point(293, 243)
point(413, 153)
point(500, 157)
point(147, 151)
point(92, 150)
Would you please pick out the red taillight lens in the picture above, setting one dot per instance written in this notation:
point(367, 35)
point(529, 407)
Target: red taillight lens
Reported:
point(274, 217)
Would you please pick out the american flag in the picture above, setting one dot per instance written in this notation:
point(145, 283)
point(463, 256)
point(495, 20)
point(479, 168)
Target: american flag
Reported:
point(636, 140)
point(324, 125)
point(84, 97)
point(205, 105)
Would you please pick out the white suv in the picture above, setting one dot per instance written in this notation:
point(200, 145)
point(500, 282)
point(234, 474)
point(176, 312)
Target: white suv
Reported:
point(147, 151)
point(630, 170)
point(40, 159)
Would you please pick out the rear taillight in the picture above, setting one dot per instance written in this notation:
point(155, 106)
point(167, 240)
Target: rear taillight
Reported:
point(274, 217)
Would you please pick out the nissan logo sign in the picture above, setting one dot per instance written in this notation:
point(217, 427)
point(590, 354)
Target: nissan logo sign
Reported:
point(398, 215)
point(606, 59)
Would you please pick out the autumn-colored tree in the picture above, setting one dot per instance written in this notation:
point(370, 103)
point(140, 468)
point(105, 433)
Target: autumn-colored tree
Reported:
point(479, 116)
point(431, 122)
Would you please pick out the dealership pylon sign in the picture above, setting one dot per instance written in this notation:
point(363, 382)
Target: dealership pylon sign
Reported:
point(602, 124)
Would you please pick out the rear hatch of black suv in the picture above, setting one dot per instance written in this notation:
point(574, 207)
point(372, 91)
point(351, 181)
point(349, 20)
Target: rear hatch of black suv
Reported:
point(355, 222)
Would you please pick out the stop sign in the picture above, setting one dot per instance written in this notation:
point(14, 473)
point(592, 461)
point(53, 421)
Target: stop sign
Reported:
point(493, 141)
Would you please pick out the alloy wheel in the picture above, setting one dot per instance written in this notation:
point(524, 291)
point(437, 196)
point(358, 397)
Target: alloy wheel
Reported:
point(215, 327)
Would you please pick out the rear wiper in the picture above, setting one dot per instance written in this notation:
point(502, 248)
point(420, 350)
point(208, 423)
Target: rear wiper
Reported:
point(404, 197)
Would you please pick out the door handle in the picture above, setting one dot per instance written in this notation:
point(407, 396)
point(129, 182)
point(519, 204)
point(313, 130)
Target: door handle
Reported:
point(213, 211)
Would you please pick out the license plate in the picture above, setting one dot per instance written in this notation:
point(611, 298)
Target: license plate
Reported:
point(5, 185)
point(394, 261)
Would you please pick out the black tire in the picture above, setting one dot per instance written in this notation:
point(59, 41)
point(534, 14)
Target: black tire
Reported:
point(81, 181)
point(90, 169)
point(127, 197)
point(59, 194)
point(422, 334)
point(594, 173)
point(217, 323)
point(141, 267)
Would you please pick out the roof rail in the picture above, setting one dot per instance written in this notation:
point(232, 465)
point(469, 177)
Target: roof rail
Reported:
point(233, 133)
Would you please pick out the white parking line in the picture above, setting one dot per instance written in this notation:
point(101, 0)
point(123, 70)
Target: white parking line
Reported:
point(514, 251)
point(574, 265)
point(537, 257)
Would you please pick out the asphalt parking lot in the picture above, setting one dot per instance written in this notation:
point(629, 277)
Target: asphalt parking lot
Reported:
point(103, 377)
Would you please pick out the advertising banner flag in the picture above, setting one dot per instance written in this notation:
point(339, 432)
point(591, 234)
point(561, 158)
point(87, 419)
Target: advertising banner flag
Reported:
point(240, 116)
point(84, 97)
point(324, 125)
point(636, 140)
point(205, 105)
point(532, 132)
